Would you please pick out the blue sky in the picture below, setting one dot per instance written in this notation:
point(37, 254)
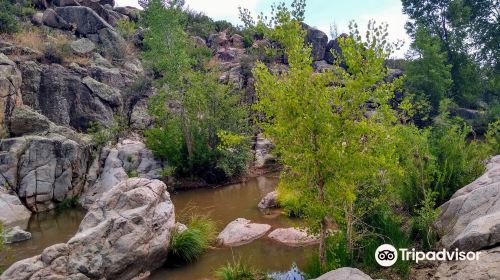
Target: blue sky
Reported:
point(319, 13)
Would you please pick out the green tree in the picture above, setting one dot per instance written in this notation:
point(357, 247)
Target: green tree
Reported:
point(335, 159)
point(192, 107)
point(429, 74)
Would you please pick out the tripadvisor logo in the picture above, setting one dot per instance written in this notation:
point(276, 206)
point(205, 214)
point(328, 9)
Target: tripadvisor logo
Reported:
point(386, 255)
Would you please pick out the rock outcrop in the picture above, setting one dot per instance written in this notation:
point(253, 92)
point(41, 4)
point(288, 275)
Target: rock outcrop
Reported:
point(262, 150)
point(10, 93)
point(13, 212)
point(346, 273)
point(43, 170)
point(470, 220)
point(128, 158)
point(124, 235)
point(241, 231)
point(293, 237)
point(318, 41)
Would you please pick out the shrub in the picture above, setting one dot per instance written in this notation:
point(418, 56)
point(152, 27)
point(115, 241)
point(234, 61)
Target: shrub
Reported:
point(337, 256)
point(8, 21)
point(290, 201)
point(126, 28)
point(67, 203)
point(58, 52)
point(102, 135)
point(189, 245)
point(237, 271)
point(422, 223)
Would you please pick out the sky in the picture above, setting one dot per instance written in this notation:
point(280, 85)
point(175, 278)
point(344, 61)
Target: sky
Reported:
point(319, 13)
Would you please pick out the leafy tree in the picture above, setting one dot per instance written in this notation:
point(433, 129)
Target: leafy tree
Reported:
point(336, 160)
point(192, 107)
point(429, 74)
point(8, 21)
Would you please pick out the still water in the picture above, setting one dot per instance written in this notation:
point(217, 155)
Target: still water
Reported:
point(223, 205)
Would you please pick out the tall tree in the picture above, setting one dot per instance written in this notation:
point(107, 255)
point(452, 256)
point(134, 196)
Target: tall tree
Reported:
point(335, 158)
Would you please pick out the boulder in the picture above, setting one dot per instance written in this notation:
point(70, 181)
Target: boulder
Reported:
point(322, 65)
point(37, 19)
point(126, 234)
point(270, 200)
point(85, 20)
point(43, 170)
point(318, 41)
point(82, 46)
point(16, 234)
point(131, 12)
point(52, 19)
point(241, 231)
point(237, 41)
point(470, 220)
point(198, 41)
point(128, 158)
point(10, 93)
point(346, 273)
point(108, 15)
point(107, 94)
point(64, 3)
point(293, 237)
point(111, 44)
point(486, 268)
point(26, 121)
point(13, 213)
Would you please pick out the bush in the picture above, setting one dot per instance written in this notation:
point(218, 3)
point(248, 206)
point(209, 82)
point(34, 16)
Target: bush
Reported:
point(8, 21)
point(102, 135)
point(290, 201)
point(337, 256)
point(237, 271)
point(422, 223)
point(189, 245)
point(68, 203)
point(125, 28)
point(57, 53)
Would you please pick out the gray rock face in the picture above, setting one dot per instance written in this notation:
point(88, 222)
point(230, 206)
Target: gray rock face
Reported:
point(66, 101)
point(470, 220)
point(124, 235)
point(26, 121)
point(16, 234)
point(10, 93)
point(13, 213)
point(86, 20)
point(346, 273)
point(140, 118)
point(107, 94)
point(270, 200)
point(82, 46)
point(111, 43)
point(241, 231)
point(322, 65)
point(131, 12)
point(128, 158)
point(318, 40)
point(43, 170)
point(293, 237)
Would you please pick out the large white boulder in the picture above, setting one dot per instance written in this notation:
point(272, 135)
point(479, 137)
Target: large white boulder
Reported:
point(242, 231)
point(126, 233)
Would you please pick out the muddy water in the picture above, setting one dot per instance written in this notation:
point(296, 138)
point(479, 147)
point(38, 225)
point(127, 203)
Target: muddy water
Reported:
point(223, 204)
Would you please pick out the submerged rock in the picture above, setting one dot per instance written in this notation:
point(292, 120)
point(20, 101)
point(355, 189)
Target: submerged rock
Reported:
point(124, 235)
point(242, 231)
point(346, 273)
point(15, 235)
point(293, 237)
point(270, 200)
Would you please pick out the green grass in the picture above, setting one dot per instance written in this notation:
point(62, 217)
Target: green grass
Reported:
point(189, 245)
point(238, 271)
